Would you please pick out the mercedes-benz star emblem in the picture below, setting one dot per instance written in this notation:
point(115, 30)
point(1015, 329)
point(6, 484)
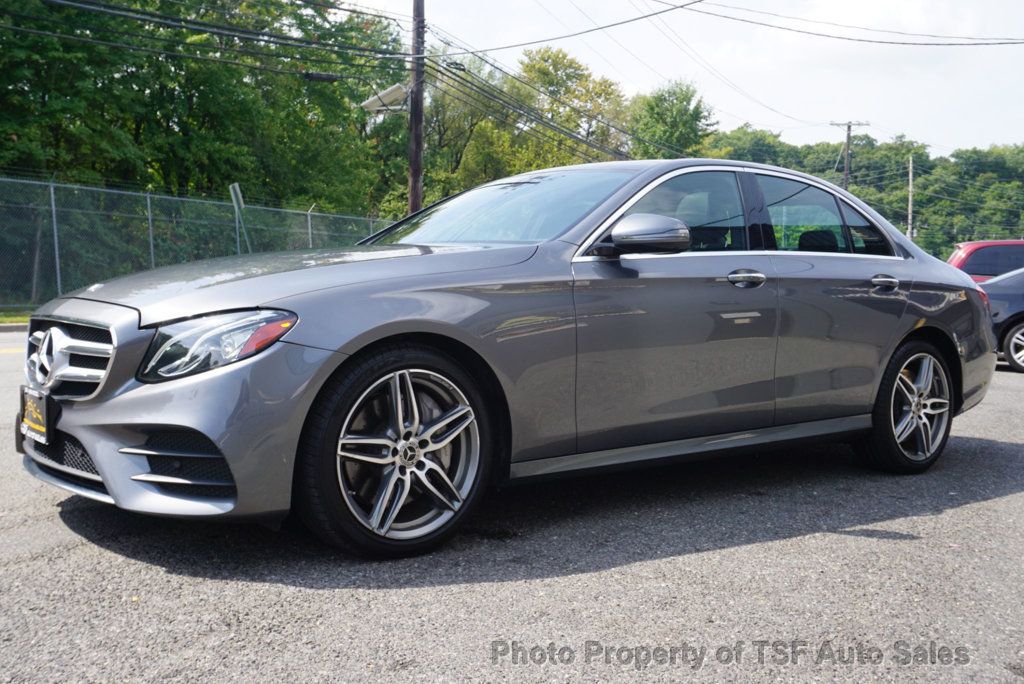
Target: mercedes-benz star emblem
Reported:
point(50, 358)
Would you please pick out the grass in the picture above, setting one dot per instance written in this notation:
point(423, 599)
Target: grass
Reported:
point(14, 315)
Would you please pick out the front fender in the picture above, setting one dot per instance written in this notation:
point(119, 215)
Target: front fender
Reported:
point(519, 319)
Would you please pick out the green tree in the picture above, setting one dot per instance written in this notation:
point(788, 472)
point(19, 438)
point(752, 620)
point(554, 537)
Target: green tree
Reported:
point(673, 117)
point(189, 113)
point(750, 144)
point(487, 157)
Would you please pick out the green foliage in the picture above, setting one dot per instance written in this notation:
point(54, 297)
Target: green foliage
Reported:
point(750, 144)
point(972, 195)
point(488, 156)
point(178, 117)
point(672, 117)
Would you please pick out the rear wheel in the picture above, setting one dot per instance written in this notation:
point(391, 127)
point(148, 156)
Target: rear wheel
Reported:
point(1013, 347)
point(394, 454)
point(913, 412)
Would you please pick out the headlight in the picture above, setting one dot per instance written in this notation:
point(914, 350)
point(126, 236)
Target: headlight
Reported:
point(207, 342)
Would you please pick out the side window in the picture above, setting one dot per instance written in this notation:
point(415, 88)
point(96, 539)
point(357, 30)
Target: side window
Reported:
point(805, 218)
point(993, 261)
point(865, 237)
point(708, 202)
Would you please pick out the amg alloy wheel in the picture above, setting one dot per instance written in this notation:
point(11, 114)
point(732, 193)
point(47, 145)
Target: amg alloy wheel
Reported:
point(394, 453)
point(920, 406)
point(408, 454)
point(913, 412)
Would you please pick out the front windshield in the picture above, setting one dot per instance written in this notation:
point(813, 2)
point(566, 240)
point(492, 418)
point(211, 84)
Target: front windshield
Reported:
point(523, 209)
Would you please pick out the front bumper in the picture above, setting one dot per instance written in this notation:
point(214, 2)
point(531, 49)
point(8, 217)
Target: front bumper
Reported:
point(250, 412)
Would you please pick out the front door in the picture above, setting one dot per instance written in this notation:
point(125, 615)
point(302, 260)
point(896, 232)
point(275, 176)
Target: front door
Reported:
point(672, 346)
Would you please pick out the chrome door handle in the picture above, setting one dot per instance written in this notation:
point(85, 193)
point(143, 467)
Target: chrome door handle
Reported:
point(885, 281)
point(746, 278)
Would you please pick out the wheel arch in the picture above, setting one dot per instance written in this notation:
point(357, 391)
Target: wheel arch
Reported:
point(944, 343)
point(462, 353)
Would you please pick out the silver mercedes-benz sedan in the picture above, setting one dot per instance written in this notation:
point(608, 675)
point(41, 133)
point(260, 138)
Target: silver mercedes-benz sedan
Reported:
point(557, 321)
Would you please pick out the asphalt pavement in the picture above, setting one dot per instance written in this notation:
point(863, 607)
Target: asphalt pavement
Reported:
point(789, 565)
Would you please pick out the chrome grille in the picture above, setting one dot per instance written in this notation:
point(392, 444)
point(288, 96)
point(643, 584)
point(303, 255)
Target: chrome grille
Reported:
point(68, 359)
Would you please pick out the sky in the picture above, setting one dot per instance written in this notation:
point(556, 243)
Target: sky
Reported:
point(794, 84)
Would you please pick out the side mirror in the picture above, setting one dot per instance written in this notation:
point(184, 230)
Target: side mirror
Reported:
point(650, 233)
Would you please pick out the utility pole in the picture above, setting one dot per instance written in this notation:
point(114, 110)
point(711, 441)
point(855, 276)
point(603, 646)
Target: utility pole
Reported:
point(416, 110)
point(846, 151)
point(910, 198)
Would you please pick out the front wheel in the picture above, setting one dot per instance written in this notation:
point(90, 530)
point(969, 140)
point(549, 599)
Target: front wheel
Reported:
point(913, 412)
point(394, 453)
point(1013, 347)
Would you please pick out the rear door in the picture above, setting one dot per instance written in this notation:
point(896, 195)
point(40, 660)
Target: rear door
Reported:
point(842, 287)
point(672, 346)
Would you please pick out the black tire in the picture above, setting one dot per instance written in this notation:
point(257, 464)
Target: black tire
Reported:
point(880, 448)
point(317, 494)
point(1016, 330)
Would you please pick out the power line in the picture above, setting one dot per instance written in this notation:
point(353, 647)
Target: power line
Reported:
point(476, 103)
point(613, 152)
point(222, 11)
point(185, 44)
point(239, 33)
point(878, 177)
point(308, 75)
point(533, 134)
point(620, 43)
point(220, 48)
point(501, 96)
point(453, 42)
point(856, 27)
point(876, 41)
point(999, 203)
point(600, 54)
point(469, 88)
point(362, 12)
point(694, 55)
point(495, 94)
point(584, 32)
point(164, 53)
point(245, 34)
point(390, 13)
point(846, 150)
point(976, 184)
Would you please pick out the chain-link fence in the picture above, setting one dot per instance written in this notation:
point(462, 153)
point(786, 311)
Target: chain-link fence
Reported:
point(55, 238)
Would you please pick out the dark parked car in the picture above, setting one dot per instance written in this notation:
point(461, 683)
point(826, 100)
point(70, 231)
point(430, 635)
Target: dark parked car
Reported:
point(1006, 294)
point(553, 322)
point(984, 259)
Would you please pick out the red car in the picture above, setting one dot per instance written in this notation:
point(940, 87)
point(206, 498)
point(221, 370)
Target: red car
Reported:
point(986, 259)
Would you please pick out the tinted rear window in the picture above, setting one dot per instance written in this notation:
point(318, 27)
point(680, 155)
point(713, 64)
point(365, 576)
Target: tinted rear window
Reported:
point(995, 260)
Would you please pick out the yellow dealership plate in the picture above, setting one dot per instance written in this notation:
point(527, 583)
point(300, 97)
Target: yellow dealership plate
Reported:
point(35, 418)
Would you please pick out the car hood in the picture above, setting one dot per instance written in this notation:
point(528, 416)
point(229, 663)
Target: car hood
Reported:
point(238, 282)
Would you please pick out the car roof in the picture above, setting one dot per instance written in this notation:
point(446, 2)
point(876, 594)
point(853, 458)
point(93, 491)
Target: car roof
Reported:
point(972, 245)
point(639, 166)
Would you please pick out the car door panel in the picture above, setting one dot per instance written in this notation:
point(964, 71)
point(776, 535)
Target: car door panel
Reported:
point(834, 330)
point(841, 295)
point(668, 348)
